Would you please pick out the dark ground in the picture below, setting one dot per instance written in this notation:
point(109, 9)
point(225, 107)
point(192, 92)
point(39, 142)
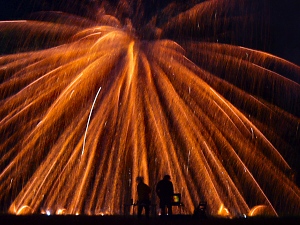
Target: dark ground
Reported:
point(112, 220)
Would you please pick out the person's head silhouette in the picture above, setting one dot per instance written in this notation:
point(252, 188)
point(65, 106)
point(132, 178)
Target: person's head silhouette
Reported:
point(167, 177)
point(139, 179)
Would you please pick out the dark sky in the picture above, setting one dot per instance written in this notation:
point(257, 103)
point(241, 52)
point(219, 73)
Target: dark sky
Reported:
point(285, 29)
point(284, 26)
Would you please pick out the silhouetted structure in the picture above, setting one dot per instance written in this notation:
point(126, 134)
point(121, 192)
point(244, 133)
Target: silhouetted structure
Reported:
point(199, 211)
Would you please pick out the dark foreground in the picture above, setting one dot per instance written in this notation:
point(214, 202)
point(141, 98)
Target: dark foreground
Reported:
point(117, 220)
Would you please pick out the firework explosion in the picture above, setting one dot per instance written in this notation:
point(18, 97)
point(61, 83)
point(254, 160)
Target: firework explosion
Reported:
point(88, 104)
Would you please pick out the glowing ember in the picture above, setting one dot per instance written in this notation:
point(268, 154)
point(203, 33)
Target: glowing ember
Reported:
point(79, 121)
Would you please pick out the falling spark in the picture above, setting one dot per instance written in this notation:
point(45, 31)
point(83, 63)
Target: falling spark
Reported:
point(87, 125)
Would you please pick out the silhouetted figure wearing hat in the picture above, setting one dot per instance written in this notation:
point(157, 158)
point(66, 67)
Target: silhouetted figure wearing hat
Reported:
point(165, 191)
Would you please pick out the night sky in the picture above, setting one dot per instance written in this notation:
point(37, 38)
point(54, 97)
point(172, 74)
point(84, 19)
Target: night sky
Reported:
point(284, 21)
point(285, 28)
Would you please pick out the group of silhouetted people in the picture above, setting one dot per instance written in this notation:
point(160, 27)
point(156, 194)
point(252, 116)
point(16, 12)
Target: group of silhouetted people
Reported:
point(164, 191)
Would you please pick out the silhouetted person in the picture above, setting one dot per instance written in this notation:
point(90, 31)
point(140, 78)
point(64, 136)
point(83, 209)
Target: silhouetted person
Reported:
point(143, 191)
point(165, 191)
